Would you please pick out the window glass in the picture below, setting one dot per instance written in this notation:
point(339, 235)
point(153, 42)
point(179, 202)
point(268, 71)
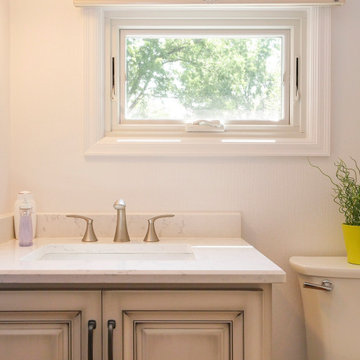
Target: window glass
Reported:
point(182, 77)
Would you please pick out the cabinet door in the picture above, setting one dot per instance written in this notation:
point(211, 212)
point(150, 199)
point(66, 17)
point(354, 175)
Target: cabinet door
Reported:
point(184, 325)
point(35, 336)
point(49, 325)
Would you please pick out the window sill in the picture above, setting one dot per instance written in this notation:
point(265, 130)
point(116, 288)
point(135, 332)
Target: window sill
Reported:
point(205, 147)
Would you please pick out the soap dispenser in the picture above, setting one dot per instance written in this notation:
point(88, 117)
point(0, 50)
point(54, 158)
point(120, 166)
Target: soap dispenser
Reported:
point(24, 197)
point(25, 225)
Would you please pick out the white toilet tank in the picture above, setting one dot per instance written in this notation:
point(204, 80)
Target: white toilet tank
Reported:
point(332, 318)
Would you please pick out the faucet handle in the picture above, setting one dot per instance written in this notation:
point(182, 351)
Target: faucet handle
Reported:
point(89, 235)
point(151, 235)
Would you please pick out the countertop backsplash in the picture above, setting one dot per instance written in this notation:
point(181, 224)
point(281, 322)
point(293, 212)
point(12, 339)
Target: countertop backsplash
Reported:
point(182, 225)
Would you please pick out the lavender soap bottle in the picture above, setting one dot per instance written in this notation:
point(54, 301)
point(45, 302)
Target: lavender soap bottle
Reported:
point(25, 225)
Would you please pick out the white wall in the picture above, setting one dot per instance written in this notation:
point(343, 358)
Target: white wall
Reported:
point(286, 205)
point(4, 108)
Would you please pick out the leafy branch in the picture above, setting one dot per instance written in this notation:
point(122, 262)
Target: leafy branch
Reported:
point(346, 189)
point(203, 74)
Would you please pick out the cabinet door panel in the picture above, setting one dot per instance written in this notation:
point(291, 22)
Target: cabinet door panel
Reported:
point(180, 342)
point(186, 325)
point(40, 335)
point(48, 325)
point(182, 334)
point(37, 341)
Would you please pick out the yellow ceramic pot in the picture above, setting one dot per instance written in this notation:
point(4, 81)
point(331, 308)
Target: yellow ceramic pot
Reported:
point(352, 243)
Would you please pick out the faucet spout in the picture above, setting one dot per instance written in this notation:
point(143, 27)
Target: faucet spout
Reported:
point(121, 232)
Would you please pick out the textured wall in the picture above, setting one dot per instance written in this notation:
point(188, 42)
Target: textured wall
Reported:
point(286, 205)
point(4, 108)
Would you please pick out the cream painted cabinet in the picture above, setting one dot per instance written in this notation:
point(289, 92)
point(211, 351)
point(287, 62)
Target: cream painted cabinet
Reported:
point(50, 325)
point(185, 325)
point(136, 325)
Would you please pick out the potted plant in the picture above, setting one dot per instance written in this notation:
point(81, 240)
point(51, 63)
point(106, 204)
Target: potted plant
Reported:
point(346, 187)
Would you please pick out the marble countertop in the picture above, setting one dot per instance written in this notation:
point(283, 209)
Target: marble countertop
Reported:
point(214, 261)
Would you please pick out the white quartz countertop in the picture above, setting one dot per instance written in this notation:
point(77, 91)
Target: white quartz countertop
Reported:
point(214, 261)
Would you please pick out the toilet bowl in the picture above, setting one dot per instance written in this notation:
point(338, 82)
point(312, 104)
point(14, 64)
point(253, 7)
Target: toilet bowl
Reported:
point(330, 291)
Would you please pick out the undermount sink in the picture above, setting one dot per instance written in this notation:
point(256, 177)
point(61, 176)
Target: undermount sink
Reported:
point(112, 252)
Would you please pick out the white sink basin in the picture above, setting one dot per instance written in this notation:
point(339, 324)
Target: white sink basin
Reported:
point(111, 252)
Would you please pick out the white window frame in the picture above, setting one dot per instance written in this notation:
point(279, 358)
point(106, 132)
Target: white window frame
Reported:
point(119, 32)
point(307, 134)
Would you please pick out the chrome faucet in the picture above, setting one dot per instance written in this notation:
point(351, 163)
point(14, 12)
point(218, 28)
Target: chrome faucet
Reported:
point(121, 232)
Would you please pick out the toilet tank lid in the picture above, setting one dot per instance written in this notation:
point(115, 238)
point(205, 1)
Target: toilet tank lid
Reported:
point(325, 266)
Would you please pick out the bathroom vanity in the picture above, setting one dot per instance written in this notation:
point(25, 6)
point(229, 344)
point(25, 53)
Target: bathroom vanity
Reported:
point(206, 299)
point(136, 324)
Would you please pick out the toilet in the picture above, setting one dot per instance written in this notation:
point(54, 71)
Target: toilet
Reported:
point(330, 291)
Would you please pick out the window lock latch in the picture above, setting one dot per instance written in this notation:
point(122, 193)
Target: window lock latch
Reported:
point(205, 126)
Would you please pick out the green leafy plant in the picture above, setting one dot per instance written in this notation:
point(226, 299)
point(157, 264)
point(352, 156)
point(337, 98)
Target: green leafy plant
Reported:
point(346, 189)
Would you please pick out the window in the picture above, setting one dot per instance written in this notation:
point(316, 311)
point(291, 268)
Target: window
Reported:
point(235, 74)
point(177, 76)
point(208, 81)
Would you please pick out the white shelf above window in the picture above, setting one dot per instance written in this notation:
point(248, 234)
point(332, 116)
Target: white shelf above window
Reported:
point(240, 2)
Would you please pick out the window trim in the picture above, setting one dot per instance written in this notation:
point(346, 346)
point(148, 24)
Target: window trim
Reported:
point(312, 136)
